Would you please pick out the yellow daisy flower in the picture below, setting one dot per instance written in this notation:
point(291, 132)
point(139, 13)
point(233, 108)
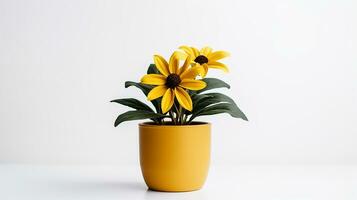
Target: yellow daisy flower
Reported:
point(173, 82)
point(206, 58)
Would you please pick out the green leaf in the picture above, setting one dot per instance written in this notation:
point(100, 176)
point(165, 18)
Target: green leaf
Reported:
point(136, 115)
point(143, 87)
point(197, 98)
point(152, 69)
point(213, 83)
point(215, 103)
point(146, 88)
point(229, 108)
point(133, 103)
point(211, 98)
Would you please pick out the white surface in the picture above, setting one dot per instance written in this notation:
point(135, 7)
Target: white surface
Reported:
point(248, 182)
point(293, 72)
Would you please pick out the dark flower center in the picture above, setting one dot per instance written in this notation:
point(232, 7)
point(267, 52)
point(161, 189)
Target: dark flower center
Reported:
point(173, 80)
point(201, 59)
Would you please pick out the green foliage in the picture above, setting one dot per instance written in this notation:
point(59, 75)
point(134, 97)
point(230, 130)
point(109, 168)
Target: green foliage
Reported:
point(231, 109)
point(203, 103)
point(215, 103)
point(144, 88)
point(136, 115)
point(213, 83)
point(152, 69)
point(133, 103)
point(211, 98)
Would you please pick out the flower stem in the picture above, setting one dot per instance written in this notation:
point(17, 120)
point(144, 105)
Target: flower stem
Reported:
point(180, 115)
point(184, 119)
point(177, 113)
point(172, 117)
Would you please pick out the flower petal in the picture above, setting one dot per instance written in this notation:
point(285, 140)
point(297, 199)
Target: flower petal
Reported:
point(161, 65)
point(157, 92)
point(218, 65)
point(204, 70)
point(153, 79)
point(174, 63)
point(180, 55)
point(187, 50)
point(192, 72)
point(185, 65)
point(193, 84)
point(217, 55)
point(195, 51)
point(206, 51)
point(183, 98)
point(167, 100)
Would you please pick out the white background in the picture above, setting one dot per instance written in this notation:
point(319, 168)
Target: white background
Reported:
point(293, 71)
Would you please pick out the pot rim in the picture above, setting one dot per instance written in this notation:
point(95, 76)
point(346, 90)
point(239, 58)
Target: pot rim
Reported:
point(194, 124)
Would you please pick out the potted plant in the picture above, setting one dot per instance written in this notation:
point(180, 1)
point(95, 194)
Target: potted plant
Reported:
point(174, 148)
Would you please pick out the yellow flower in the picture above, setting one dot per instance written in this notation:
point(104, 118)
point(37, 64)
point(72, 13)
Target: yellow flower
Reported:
point(206, 58)
point(173, 82)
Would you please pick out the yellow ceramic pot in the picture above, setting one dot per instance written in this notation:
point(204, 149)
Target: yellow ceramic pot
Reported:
point(175, 158)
